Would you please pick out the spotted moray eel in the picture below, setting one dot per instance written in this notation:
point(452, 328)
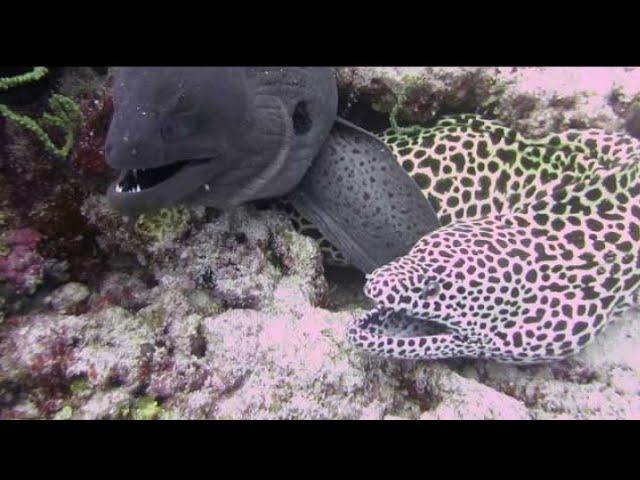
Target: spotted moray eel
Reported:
point(539, 247)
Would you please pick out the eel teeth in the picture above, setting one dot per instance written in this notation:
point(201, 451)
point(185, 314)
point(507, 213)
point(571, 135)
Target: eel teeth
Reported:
point(120, 189)
point(207, 187)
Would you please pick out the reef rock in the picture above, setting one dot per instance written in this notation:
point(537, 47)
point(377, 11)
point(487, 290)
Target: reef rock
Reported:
point(21, 267)
point(534, 100)
point(601, 382)
point(239, 256)
point(193, 313)
point(68, 298)
point(180, 358)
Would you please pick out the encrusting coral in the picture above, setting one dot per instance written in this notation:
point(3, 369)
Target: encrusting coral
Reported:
point(166, 224)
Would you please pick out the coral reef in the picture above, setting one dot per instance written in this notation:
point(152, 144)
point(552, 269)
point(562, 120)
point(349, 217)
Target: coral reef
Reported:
point(41, 192)
point(21, 267)
point(181, 356)
point(239, 256)
point(69, 298)
point(164, 225)
point(97, 106)
point(194, 313)
point(535, 101)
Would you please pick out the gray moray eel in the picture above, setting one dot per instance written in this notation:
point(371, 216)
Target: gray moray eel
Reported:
point(224, 136)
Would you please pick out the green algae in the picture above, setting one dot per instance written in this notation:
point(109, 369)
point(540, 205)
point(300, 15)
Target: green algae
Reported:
point(164, 225)
point(146, 408)
point(65, 413)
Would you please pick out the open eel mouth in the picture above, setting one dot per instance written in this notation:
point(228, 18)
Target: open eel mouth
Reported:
point(388, 333)
point(139, 179)
point(388, 323)
point(140, 189)
point(136, 180)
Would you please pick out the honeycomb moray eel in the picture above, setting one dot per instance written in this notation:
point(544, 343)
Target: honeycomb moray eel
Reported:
point(539, 247)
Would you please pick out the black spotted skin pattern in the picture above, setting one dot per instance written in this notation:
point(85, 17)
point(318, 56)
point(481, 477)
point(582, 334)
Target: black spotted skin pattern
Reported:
point(539, 248)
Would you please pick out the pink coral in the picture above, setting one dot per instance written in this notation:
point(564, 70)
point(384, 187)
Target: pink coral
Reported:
point(23, 267)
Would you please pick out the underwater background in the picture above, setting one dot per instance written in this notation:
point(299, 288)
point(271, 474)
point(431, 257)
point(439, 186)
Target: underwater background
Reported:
point(194, 313)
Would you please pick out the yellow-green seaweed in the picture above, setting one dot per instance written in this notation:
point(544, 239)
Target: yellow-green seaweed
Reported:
point(65, 115)
point(33, 76)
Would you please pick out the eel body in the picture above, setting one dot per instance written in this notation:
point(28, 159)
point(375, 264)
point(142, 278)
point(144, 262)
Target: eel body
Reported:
point(539, 247)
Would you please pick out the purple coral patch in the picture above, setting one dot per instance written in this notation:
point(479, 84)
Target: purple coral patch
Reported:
point(23, 267)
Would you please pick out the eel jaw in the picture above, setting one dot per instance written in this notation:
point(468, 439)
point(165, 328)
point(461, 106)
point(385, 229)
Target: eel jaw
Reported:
point(142, 189)
point(370, 323)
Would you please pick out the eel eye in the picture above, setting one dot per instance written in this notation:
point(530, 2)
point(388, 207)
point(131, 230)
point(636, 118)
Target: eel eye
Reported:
point(431, 290)
point(301, 119)
point(169, 130)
